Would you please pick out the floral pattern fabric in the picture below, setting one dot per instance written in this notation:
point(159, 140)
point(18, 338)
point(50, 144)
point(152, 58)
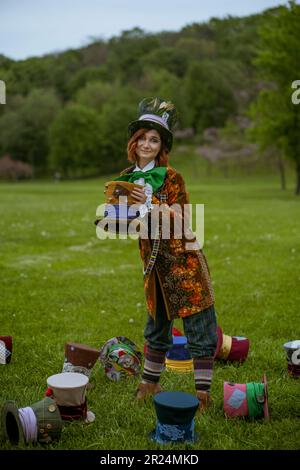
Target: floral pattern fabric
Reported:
point(183, 274)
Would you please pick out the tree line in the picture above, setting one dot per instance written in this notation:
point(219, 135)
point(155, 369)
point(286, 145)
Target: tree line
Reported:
point(68, 113)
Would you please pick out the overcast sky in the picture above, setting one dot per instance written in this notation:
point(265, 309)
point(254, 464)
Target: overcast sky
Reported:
point(36, 27)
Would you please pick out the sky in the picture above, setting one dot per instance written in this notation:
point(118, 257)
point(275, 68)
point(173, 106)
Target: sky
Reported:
point(37, 27)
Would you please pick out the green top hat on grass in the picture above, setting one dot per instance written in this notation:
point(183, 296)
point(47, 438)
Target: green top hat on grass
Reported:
point(40, 422)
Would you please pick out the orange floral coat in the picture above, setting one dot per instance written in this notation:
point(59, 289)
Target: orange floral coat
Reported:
point(183, 274)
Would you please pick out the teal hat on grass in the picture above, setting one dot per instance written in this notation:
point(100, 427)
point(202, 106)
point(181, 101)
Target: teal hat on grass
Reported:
point(175, 418)
point(158, 114)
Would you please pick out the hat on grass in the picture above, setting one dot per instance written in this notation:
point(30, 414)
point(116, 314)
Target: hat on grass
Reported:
point(5, 349)
point(248, 400)
point(80, 358)
point(292, 349)
point(231, 348)
point(120, 358)
point(68, 389)
point(175, 418)
point(40, 422)
point(158, 114)
point(178, 357)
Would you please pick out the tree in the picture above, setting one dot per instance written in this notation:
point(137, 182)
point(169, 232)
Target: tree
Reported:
point(270, 116)
point(277, 119)
point(208, 95)
point(75, 143)
point(24, 128)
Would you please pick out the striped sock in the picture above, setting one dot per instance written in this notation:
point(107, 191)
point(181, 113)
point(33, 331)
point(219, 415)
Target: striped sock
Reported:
point(153, 365)
point(203, 368)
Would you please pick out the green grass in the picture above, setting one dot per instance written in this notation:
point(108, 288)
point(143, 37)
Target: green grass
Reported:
point(60, 283)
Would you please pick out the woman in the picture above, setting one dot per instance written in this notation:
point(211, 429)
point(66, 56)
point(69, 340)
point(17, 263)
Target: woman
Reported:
point(176, 276)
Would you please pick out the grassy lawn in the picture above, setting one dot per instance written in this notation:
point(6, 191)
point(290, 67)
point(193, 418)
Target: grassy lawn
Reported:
point(60, 283)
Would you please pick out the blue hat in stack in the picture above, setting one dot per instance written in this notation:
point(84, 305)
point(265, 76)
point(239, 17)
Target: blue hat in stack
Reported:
point(178, 357)
point(175, 418)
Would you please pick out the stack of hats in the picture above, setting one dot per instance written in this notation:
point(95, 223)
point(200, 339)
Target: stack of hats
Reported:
point(175, 418)
point(40, 422)
point(292, 349)
point(120, 207)
point(231, 348)
point(248, 400)
point(120, 358)
point(178, 357)
point(80, 358)
point(5, 349)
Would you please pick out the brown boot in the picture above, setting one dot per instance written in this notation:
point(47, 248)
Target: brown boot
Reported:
point(204, 399)
point(145, 390)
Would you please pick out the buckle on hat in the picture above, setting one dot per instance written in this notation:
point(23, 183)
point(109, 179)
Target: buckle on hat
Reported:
point(260, 399)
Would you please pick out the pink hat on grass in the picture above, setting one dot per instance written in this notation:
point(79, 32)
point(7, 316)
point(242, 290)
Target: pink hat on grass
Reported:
point(248, 400)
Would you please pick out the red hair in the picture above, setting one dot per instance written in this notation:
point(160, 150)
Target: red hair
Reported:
point(162, 159)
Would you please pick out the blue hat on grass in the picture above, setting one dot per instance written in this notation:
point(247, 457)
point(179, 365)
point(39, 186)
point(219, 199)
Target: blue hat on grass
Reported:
point(175, 418)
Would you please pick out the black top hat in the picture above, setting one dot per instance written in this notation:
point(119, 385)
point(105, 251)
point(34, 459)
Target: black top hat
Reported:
point(155, 113)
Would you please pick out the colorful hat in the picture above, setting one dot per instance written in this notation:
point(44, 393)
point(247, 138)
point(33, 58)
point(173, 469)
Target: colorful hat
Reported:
point(118, 213)
point(249, 400)
point(178, 357)
point(80, 358)
point(5, 349)
point(40, 422)
point(292, 349)
point(175, 418)
point(120, 357)
point(155, 113)
point(69, 392)
point(231, 348)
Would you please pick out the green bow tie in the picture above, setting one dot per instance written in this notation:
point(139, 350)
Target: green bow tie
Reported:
point(155, 177)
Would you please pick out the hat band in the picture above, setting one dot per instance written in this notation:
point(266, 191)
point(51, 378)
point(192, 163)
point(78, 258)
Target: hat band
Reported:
point(154, 118)
point(293, 369)
point(226, 347)
point(255, 399)
point(165, 433)
point(70, 413)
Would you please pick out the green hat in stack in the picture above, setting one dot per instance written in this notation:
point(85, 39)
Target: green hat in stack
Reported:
point(158, 114)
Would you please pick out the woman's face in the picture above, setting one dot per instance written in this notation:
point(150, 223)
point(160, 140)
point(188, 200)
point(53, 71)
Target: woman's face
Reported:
point(148, 145)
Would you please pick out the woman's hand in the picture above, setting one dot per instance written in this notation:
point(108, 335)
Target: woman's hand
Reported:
point(139, 195)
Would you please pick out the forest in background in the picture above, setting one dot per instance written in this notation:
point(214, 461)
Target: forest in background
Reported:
point(66, 114)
